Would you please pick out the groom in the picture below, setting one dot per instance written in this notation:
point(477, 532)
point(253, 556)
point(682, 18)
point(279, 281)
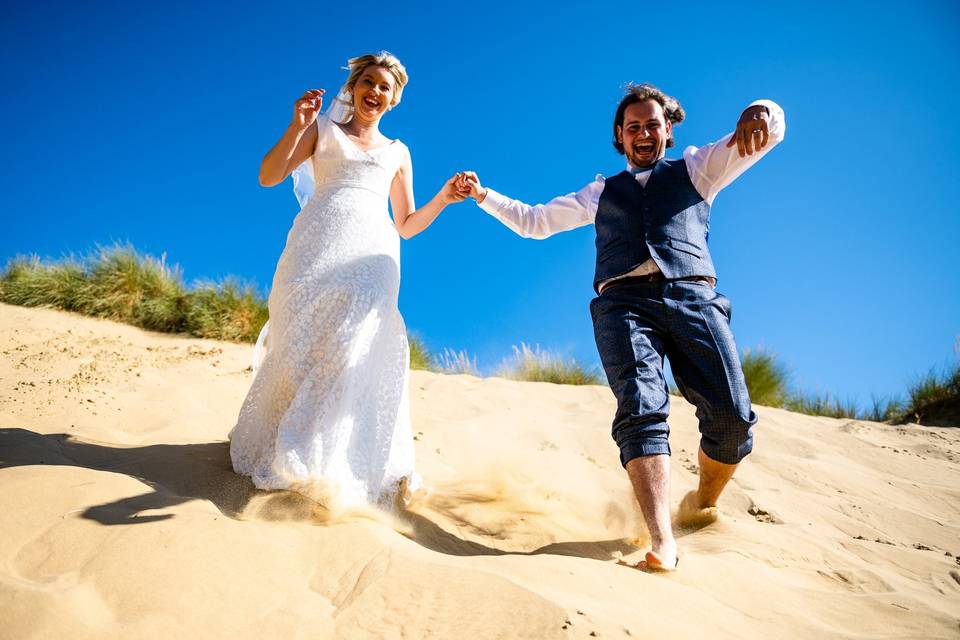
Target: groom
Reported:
point(655, 283)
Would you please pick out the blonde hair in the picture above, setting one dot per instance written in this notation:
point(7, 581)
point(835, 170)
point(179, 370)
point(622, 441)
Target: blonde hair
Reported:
point(357, 66)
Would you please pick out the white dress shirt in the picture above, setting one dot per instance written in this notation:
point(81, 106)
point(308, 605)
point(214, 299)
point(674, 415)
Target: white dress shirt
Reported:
point(711, 168)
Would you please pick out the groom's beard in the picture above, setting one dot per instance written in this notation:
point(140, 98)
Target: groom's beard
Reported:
point(643, 160)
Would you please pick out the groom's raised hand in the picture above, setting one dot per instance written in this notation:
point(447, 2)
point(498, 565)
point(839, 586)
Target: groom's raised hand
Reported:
point(752, 132)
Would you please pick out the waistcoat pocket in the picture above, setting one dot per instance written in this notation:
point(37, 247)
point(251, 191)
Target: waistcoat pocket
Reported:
point(611, 248)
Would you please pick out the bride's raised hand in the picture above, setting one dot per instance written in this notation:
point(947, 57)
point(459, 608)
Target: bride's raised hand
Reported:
point(305, 109)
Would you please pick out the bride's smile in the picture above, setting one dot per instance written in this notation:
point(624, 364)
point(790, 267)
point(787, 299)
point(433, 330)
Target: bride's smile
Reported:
point(373, 93)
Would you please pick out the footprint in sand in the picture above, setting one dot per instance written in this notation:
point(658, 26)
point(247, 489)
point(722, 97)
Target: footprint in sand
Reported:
point(547, 445)
point(856, 580)
point(687, 462)
point(763, 516)
point(877, 540)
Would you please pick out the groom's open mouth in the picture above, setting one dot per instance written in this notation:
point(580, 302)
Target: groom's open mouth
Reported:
point(644, 148)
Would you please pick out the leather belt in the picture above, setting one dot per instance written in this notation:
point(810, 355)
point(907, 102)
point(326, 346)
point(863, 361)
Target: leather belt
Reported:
point(652, 277)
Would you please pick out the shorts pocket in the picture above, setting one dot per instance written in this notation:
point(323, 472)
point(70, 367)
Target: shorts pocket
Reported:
point(686, 247)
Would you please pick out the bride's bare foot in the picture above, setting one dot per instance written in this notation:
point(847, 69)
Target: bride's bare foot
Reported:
point(690, 513)
point(406, 498)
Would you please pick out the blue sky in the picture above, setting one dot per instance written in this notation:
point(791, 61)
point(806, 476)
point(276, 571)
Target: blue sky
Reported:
point(146, 123)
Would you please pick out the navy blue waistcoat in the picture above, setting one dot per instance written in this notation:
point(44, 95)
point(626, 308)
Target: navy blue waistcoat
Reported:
point(667, 220)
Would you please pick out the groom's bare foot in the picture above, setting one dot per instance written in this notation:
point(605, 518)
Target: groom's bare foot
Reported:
point(660, 559)
point(699, 508)
point(655, 563)
point(693, 514)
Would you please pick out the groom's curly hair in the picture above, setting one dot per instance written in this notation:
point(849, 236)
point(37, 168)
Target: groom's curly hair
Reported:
point(672, 110)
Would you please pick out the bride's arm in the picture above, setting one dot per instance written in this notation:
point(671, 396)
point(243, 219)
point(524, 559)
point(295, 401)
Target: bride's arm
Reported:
point(296, 144)
point(408, 219)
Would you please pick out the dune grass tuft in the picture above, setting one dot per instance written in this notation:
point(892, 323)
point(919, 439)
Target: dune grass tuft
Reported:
point(883, 410)
point(458, 362)
point(125, 286)
point(534, 365)
point(30, 283)
point(230, 310)
point(767, 379)
point(817, 404)
point(114, 282)
point(420, 356)
point(119, 283)
point(934, 399)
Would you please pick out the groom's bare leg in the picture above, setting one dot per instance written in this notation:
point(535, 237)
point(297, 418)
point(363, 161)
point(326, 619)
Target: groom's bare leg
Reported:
point(699, 508)
point(714, 476)
point(650, 477)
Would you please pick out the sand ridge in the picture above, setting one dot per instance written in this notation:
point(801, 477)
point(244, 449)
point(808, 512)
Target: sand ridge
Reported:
point(121, 517)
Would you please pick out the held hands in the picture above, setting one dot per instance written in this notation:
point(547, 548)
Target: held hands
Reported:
point(472, 182)
point(305, 109)
point(454, 190)
point(751, 134)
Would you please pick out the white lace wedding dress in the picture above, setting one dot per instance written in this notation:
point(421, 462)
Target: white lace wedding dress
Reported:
point(328, 413)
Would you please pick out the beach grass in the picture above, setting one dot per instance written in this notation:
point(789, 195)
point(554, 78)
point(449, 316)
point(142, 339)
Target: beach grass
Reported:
point(823, 404)
point(230, 310)
point(122, 285)
point(113, 282)
point(933, 399)
point(536, 365)
point(767, 379)
point(29, 283)
point(119, 283)
point(881, 409)
point(420, 356)
point(458, 362)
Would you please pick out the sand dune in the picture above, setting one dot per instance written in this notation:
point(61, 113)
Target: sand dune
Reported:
point(120, 515)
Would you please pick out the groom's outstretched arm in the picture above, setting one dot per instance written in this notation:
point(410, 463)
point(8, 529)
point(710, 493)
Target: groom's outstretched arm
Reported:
point(714, 166)
point(542, 220)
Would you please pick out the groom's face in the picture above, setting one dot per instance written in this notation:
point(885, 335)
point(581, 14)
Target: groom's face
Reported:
point(644, 133)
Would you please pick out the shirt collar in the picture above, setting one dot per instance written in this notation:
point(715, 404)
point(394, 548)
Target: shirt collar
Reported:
point(635, 171)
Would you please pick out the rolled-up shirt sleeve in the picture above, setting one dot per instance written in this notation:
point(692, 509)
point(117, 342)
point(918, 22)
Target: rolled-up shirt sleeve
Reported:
point(714, 166)
point(543, 220)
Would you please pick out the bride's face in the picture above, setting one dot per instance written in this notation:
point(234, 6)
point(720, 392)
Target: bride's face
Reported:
point(373, 93)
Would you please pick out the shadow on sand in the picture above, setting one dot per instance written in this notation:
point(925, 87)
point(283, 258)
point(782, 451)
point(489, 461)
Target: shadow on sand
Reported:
point(179, 473)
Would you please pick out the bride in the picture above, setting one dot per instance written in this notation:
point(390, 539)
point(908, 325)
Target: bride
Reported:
point(327, 414)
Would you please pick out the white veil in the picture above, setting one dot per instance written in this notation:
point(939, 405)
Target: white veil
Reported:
point(304, 184)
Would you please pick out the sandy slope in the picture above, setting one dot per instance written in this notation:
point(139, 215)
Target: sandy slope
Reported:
point(120, 516)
